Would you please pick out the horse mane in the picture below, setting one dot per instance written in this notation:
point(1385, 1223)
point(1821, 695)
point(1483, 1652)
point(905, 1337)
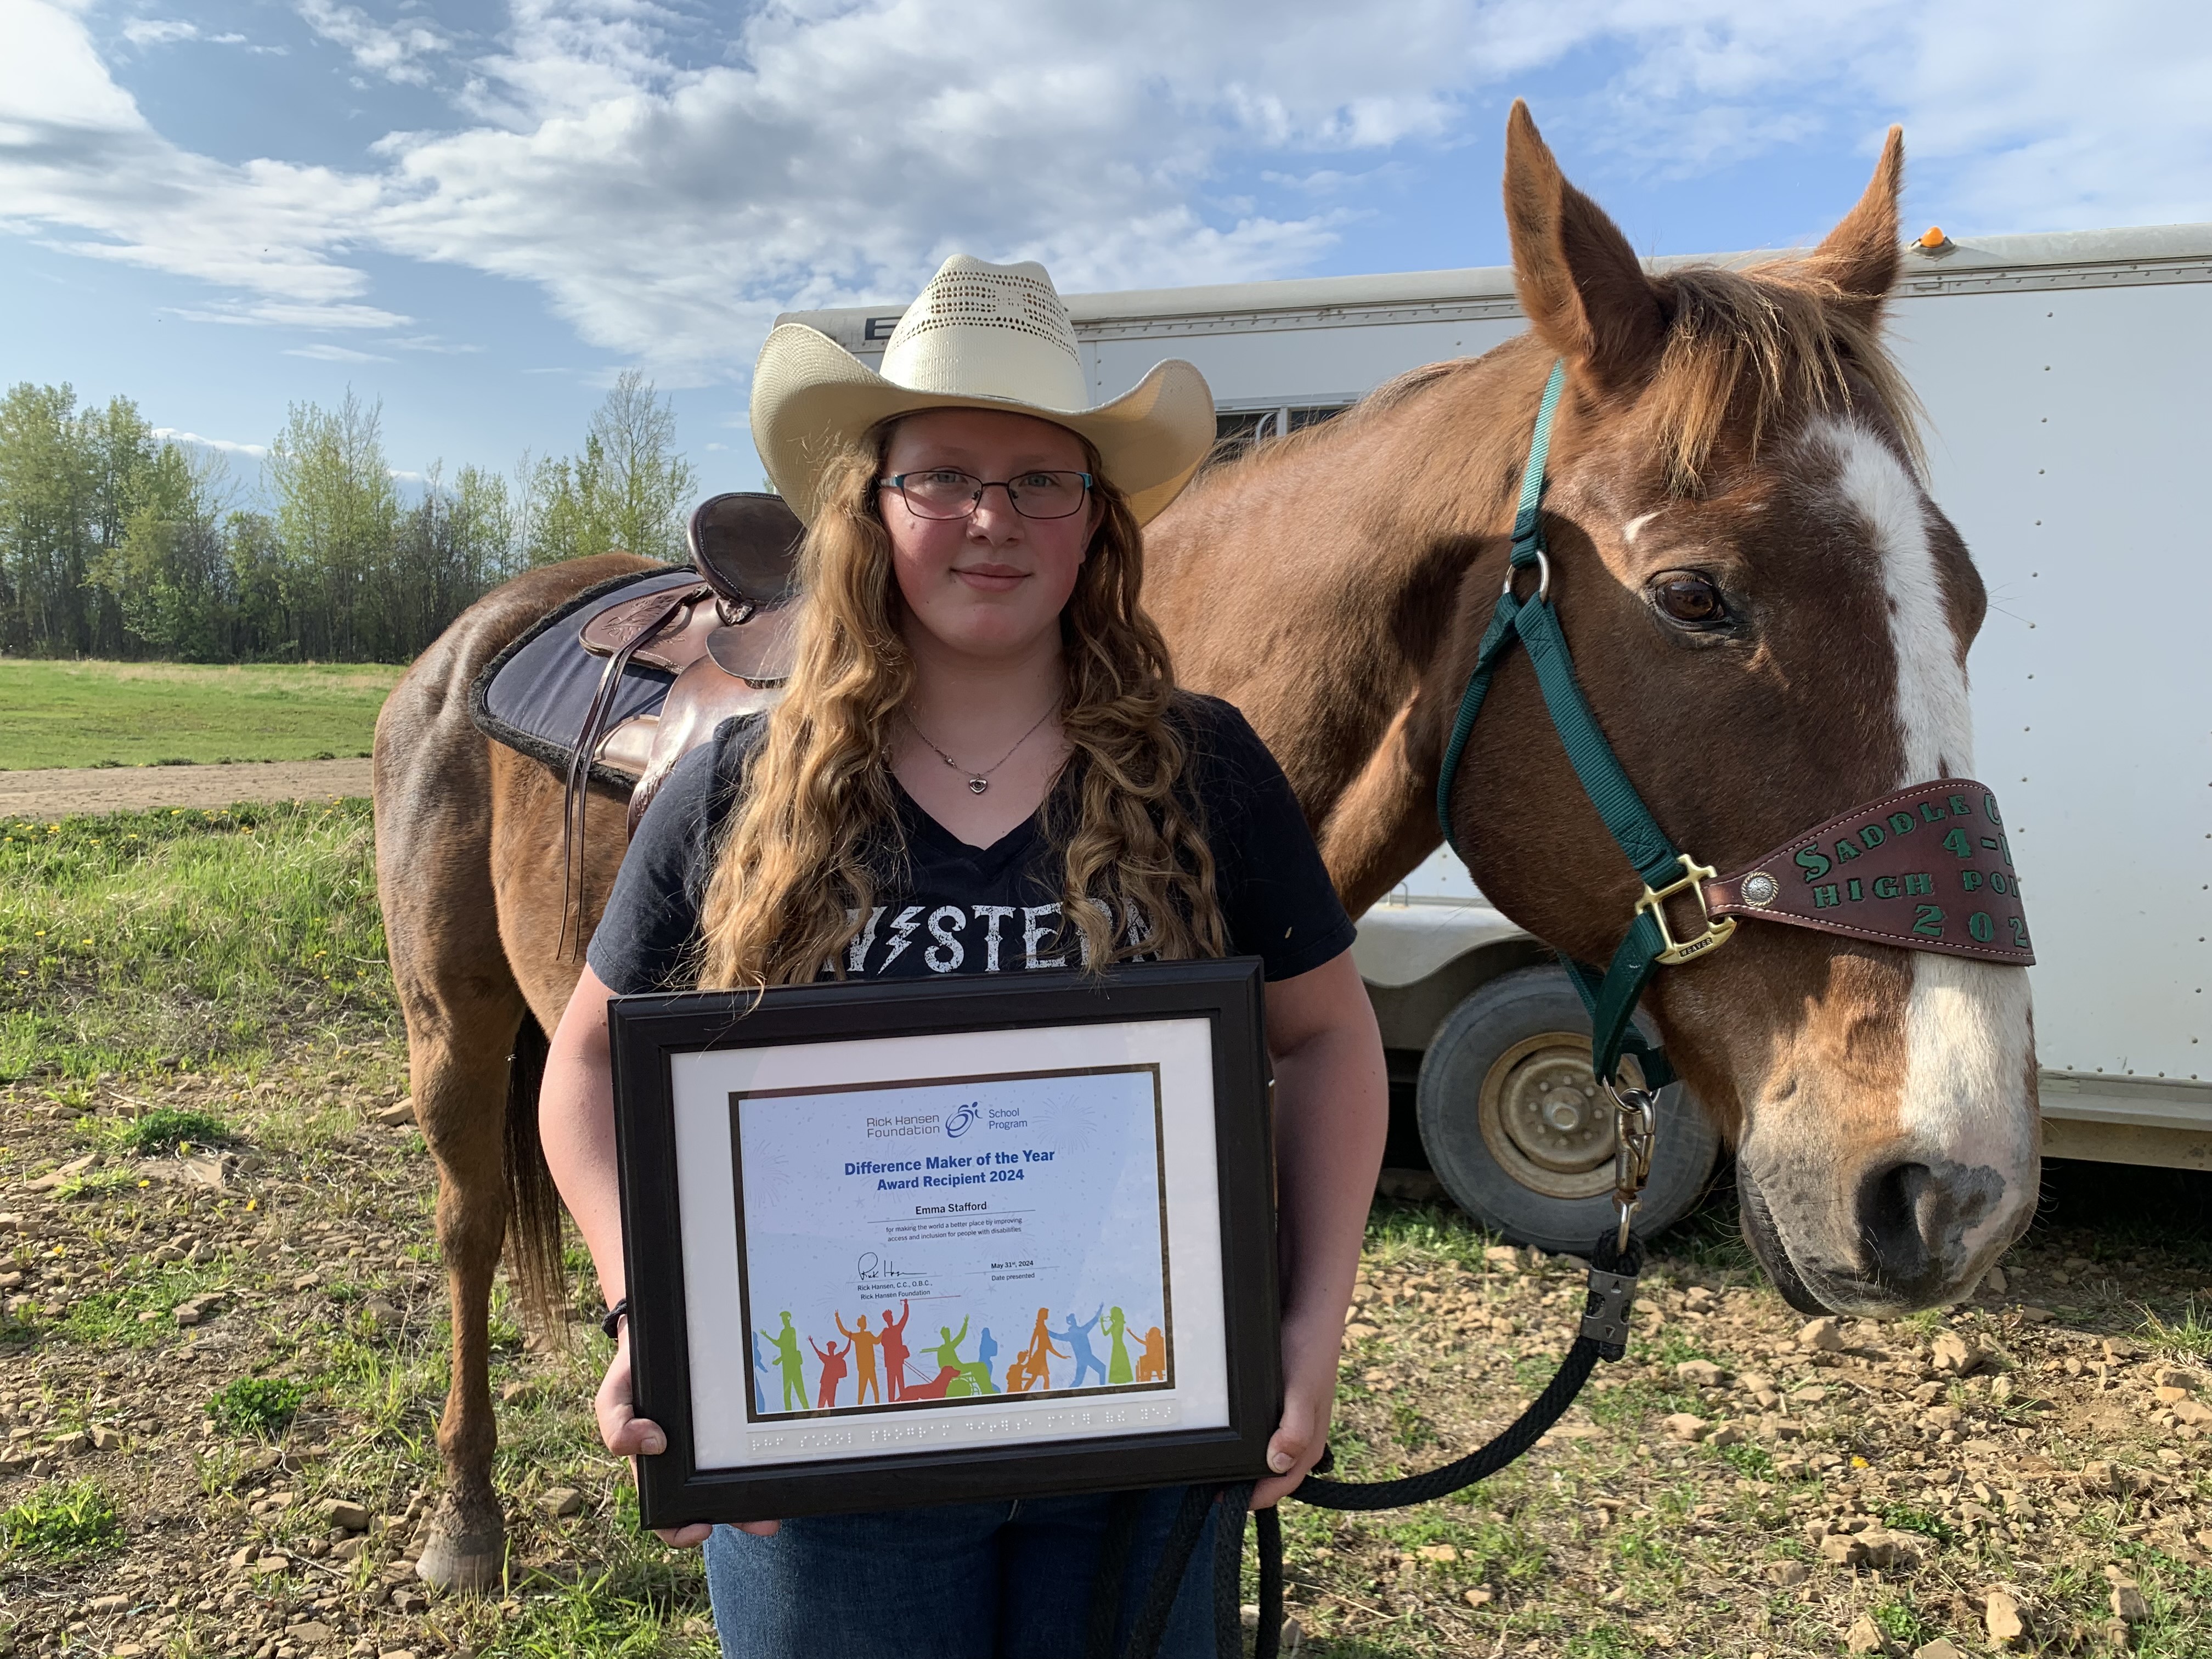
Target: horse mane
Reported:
point(1767, 346)
point(1229, 456)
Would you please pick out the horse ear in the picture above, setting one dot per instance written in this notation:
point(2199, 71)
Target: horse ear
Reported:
point(1860, 255)
point(1579, 281)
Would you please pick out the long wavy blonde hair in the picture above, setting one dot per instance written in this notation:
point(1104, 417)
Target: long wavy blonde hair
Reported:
point(814, 835)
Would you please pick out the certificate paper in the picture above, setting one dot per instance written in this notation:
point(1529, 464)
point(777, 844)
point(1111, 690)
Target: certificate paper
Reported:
point(927, 1256)
point(964, 1239)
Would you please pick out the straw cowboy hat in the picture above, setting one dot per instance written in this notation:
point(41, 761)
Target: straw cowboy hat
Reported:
point(979, 336)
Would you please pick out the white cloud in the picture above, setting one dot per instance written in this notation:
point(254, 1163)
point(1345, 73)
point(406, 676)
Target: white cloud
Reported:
point(158, 31)
point(280, 313)
point(323, 351)
point(394, 52)
point(75, 154)
point(2018, 114)
point(171, 434)
point(667, 206)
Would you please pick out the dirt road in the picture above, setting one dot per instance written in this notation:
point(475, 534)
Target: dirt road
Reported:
point(50, 794)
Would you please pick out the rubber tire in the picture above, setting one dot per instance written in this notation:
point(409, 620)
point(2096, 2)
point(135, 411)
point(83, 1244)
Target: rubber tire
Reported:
point(1510, 1009)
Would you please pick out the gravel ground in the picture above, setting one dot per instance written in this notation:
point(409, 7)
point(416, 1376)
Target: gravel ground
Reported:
point(2028, 1472)
point(60, 791)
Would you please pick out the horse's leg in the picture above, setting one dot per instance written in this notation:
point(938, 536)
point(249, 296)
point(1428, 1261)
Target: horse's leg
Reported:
point(1385, 821)
point(463, 1009)
point(459, 1064)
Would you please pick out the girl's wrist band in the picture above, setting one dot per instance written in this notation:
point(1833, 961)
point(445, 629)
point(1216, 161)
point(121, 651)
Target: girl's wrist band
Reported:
point(614, 1316)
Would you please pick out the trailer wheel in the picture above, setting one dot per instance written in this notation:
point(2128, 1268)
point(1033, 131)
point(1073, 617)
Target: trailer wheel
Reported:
point(1518, 1131)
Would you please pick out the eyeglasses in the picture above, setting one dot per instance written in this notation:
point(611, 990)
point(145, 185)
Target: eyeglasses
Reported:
point(943, 493)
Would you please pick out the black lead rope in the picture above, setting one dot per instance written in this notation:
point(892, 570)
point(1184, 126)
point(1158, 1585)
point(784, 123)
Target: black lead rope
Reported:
point(1603, 1335)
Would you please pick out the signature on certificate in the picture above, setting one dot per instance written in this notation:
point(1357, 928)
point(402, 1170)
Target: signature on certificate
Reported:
point(871, 1268)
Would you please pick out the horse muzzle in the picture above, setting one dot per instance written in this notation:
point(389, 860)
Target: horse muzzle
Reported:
point(1905, 1231)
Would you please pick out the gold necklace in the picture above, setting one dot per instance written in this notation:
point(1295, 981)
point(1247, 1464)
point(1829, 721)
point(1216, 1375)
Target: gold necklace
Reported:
point(979, 781)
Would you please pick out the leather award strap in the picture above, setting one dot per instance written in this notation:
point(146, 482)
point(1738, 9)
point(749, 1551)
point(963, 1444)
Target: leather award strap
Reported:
point(1928, 868)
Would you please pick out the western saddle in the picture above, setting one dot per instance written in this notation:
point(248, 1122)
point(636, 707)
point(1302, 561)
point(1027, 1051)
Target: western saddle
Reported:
point(729, 639)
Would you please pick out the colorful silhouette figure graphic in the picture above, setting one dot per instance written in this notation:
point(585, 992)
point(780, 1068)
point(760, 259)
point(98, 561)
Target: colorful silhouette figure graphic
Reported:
point(1153, 1363)
point(833, 1372)
point(986, 1350)
point(935, 1388)
point(1030, 1370)
point(791, 1362)
point(1117, 1368)
point(760, 1375)
point(948, 1349)
point(862, 1346)
point(1076, 1337)
point(893, 1339)
point(951, 1379)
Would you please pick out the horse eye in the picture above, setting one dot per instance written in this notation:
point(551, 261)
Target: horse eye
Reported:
point(1688, 597)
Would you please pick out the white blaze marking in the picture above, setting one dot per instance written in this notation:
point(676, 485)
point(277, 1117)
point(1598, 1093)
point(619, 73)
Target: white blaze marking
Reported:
point(1967, 1037)
point(1932, 711)
point(1628, 530)
point(1967, 1023)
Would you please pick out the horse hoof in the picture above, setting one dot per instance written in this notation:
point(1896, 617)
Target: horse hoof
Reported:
point(464, 1564)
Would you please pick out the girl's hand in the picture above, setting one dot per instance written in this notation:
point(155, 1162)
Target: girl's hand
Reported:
point(1310, 1350)
point(628, 1435)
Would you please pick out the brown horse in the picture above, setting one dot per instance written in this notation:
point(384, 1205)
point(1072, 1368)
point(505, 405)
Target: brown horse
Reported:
point(1770, 620)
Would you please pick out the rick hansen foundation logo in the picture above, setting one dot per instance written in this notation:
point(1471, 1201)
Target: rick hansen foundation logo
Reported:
point(961, 1120)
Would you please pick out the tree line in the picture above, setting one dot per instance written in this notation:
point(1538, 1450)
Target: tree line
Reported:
point(116, 542)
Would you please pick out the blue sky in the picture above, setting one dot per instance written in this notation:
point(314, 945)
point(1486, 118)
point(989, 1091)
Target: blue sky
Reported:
point(480, 212)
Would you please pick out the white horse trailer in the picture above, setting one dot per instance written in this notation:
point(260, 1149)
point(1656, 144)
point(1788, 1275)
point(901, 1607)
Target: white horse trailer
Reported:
point(2065, 382)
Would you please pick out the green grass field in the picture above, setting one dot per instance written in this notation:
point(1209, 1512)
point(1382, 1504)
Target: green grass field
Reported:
point(142, 714)
point(199, 938)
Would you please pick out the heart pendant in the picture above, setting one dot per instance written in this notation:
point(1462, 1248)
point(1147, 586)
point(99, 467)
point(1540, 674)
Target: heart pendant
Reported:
point(977, 785)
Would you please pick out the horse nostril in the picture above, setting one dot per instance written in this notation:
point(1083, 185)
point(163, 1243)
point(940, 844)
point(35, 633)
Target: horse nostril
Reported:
point(1897, 1223)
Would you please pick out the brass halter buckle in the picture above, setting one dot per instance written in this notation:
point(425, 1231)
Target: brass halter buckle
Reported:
point(1694, 875)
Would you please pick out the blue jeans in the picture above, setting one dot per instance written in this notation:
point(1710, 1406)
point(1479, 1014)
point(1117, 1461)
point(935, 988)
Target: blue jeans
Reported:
point(958, 1581)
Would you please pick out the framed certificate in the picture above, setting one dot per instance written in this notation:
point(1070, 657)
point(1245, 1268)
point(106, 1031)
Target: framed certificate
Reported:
point(935, 1240)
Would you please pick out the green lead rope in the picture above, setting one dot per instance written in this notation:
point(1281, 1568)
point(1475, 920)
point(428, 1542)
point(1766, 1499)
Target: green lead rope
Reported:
point(1611, 996)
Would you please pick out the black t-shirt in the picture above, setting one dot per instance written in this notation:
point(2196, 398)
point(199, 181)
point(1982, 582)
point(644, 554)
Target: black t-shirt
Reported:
point(953, 909)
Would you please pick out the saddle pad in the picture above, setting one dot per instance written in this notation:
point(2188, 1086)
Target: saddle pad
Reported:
point(533, 696)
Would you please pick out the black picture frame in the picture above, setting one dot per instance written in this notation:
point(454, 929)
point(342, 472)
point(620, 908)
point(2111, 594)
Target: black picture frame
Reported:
point(647, 1033)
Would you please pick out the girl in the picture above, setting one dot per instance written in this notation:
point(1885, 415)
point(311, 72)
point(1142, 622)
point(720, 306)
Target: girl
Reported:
point(982, 765)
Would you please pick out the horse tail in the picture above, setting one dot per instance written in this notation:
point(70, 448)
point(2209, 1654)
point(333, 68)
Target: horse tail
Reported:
point(533, 1223)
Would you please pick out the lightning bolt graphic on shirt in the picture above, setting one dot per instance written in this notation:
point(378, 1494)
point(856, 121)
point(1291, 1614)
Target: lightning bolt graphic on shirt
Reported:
point(903, 930)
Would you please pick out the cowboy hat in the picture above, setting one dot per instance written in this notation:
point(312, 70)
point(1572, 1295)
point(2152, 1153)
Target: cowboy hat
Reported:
point(979, 336)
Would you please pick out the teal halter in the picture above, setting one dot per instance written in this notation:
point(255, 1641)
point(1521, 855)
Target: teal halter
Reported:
point(1611, 996)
